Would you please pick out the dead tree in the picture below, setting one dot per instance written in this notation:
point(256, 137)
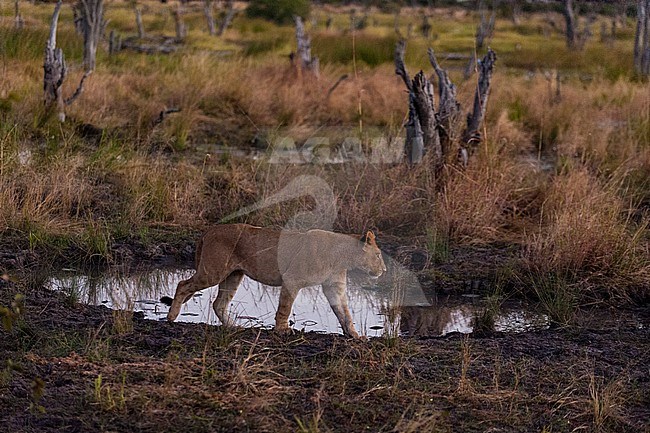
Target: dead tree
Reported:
point(642, 39)
point(55, 71)
point(114, 43)
point(449, 108)
point(91, 13)
point(209, 16)
point(472, 134)
point(181, 30)
point(303, 54)
point(515, 10)
point(19, 23)
point(421, 127)
point(484, 31)
point(570, 19)
point(428, 130)
point(227, 19)
point(426, 26)
point(138, 22)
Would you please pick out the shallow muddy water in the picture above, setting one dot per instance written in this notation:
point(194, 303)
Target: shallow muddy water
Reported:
point(375, 308)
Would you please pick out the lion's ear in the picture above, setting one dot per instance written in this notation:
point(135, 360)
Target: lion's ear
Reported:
point(368, 238)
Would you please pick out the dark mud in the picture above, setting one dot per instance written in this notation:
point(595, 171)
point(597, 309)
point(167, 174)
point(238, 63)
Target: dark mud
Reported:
point(114, 371)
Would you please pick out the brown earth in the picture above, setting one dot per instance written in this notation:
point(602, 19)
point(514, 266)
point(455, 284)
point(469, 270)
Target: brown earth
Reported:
point(116, 372)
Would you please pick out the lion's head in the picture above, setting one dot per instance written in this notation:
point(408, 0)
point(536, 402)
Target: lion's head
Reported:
point(372, 261)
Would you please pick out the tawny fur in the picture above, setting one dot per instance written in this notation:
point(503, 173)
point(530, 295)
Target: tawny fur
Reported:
point(284, 258)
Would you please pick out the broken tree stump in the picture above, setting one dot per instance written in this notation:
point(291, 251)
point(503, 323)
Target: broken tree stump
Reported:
point(55, 71)
point(421, 128)
point(114, 43)
point(428, 130)
point(181, 30)
point(19, 22)
point(472, 135)
point(642, 39)
point(303, 54)
point(449, 108)
point(138, 22)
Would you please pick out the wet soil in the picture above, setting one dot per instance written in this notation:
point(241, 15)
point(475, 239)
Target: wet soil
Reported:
point(114, 371)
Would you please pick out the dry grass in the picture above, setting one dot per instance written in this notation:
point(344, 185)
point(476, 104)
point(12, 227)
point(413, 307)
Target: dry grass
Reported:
point(586, 234)
point(566, 176)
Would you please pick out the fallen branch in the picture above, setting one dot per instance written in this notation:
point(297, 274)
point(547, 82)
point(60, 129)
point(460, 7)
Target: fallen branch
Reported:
point(79, 90)
point(341, 79)
point(164, 113)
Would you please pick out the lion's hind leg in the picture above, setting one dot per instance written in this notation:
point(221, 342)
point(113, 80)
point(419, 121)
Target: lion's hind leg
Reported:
point(227, 289)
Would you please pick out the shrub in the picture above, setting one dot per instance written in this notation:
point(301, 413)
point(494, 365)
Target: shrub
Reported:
point(280, 11)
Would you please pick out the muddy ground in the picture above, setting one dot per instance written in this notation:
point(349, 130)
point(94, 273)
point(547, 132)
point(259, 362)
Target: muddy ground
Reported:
point(116, 372)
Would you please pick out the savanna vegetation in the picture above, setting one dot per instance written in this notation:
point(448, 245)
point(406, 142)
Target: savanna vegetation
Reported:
point(553, 207)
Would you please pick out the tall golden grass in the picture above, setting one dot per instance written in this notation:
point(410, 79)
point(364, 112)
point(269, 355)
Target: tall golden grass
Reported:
point(563, 175)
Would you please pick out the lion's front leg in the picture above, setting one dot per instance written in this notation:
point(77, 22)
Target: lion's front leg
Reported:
point(287, 296)
point(335, 292)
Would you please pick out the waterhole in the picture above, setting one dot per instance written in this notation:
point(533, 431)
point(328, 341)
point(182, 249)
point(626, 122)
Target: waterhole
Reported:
point(375, 308)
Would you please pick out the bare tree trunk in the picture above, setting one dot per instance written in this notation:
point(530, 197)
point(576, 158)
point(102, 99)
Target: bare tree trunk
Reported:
point(209, 16)
point(54, 70)
point(642, 39)
point(516, 12)
point(227, 19)
point(114, 43)
point(426, 27)
point(307, 62)
point(472, 134)
point(422, 126)
point(138, 22)
point(92, 17)
point(19, 23)
point(427, 130)
point(181, 31)
point(570, 18)
point(485, 29)
point(448, 107)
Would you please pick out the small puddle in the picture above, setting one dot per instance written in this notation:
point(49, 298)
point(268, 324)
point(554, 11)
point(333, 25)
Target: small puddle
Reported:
point(254, 305)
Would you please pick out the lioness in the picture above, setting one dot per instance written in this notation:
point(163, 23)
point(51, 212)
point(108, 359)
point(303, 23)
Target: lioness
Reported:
point(284, 258)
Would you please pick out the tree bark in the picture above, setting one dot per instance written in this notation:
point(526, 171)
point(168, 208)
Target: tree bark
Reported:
point(431, 131)
point(448, 107)
point(642, 39)
point(307, 62)
point(138, 22)
point(422, 126)
point(114, 43)
point(209, 16)
point(570, 18)
point(227, 19)
point(92, 16)
point(472, 135)
point(181, 30)
point(19, 23)
point(54, 70)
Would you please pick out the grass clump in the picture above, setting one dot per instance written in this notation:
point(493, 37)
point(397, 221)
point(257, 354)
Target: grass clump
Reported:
point(586, 236)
